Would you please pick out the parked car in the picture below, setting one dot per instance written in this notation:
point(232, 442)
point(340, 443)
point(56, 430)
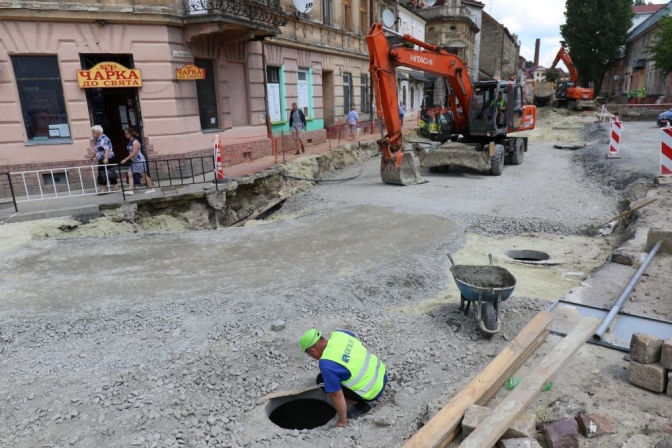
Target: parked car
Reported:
point(665, 118)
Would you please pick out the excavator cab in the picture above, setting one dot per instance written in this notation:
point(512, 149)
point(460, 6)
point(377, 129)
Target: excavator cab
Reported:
point(497, 108)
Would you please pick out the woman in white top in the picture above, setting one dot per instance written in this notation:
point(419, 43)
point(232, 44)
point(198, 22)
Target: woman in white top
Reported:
point(353, 121)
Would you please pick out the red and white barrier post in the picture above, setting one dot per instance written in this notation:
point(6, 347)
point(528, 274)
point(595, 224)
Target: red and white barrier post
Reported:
point(666, 153)
point(219, 170)
point(615, 139)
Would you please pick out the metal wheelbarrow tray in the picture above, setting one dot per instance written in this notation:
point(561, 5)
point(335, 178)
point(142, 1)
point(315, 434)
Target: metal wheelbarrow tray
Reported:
point(486, 286)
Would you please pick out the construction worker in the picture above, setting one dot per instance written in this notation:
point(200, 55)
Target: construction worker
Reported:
point(349, 372)
point(498, 108)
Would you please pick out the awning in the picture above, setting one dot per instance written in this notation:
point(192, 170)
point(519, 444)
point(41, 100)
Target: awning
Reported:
point(418, 76)
point(402, 76)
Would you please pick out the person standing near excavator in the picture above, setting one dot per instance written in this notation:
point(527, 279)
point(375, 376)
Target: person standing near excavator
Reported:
point(349, 372)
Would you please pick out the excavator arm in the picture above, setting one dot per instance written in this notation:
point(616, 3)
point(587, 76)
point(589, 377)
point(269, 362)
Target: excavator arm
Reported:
point(563, 55)
point(383, 59)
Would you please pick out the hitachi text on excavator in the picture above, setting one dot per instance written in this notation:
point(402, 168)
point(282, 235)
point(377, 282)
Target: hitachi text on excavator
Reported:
point(481, 115)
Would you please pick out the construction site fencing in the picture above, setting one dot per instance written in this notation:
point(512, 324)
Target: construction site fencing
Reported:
point(76, 181)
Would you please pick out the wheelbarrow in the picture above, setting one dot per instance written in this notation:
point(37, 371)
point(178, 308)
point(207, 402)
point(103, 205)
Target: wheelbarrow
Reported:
point(487, 287)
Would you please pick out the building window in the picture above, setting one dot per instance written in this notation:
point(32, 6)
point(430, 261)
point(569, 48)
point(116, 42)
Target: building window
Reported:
point(207, 95)
point(364, 93)
point(38, 79)
point(364, 16)
point(412, 97)
point(302, 91)
point(273, 91)
point(326, 12)
point(347, 15)
point(347, 92)
point(403, 96)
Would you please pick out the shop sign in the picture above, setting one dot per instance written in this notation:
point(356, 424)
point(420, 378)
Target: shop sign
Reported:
point(189, 72)
point(182, 54)
point(108, 74)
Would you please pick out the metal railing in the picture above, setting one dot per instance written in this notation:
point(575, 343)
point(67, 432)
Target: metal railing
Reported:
point(445, 11)
point(76, 181)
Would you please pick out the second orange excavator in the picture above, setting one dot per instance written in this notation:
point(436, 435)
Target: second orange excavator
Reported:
point(482, 114)
point(568, 93)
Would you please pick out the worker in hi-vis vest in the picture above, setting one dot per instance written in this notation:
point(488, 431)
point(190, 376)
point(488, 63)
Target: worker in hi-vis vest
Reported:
point(349, 372)
point(498, 109)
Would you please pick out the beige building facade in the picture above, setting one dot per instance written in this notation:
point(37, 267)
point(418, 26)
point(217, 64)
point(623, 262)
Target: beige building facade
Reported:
point(257, 59)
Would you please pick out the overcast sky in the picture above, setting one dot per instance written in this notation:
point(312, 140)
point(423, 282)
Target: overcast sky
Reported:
point(532, 19)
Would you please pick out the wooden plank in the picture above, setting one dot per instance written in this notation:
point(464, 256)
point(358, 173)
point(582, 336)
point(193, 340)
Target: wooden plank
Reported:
point(445, 425)
point(494, 426)
point(259, 211)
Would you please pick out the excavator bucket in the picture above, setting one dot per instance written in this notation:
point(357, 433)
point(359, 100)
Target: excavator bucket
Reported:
point(400, 170)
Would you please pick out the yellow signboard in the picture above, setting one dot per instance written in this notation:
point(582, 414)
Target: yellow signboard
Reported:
point(108, 74)
point(189, 72)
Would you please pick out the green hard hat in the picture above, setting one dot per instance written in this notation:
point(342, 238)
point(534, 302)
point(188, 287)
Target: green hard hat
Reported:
point(309, 338)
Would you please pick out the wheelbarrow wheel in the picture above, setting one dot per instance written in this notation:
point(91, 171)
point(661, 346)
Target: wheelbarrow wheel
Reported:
point(489, 317)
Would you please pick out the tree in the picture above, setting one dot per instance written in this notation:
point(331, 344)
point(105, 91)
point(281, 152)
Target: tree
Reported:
point(661, 50)
point(552, 74)
point(529, 64)
point(595, 31)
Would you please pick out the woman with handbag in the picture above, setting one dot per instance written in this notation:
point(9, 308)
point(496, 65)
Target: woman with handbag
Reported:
point(105, 155)
point(137, 159)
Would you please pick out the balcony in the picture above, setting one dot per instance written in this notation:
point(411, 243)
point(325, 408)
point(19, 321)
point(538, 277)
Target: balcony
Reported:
point(447, 13)
point(254, 12)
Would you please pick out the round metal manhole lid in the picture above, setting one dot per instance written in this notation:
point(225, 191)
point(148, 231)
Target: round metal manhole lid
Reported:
point(530, 257)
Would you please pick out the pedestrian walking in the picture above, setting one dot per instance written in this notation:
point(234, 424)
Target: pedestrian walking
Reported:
point(104, 153)
point(137, 160)
point(402, 111)
point(353, 121)
point(349, 372)
point(297, 123)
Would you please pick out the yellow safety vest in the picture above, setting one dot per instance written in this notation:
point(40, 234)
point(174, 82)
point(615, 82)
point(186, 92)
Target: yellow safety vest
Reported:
point(366, 369)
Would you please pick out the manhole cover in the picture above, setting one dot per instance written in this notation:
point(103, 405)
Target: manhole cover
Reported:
point(528, 256)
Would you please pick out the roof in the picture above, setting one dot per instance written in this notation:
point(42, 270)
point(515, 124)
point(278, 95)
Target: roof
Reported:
point(665, 10)
point(646, 9)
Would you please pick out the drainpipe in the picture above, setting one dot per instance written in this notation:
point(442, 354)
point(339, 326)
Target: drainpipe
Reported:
point(626, 292)
point(269, 129)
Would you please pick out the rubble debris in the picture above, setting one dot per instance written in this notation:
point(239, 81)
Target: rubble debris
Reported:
point(518, 443)
point(666, 354)
point(593, 425)
point(562, 434)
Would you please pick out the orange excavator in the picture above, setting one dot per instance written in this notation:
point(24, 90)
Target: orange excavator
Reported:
point(567, 93)
point(482, 113)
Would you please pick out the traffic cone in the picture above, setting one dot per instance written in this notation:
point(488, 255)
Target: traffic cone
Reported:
point(219, 170)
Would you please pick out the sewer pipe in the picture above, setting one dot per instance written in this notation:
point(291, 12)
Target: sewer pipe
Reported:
point(626, 292)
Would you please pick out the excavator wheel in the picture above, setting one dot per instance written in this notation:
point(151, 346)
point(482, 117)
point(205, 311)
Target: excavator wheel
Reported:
point(497, 161)
point(516, 156)
point(571, 105)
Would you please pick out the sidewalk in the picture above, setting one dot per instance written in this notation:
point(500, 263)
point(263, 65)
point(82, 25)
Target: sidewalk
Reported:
point(88, 206)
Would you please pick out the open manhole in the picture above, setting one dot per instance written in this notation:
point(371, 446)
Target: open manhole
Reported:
point(529, 256)
point(306, 410)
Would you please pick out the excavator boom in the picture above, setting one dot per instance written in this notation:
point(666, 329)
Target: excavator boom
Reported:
point(477, 114)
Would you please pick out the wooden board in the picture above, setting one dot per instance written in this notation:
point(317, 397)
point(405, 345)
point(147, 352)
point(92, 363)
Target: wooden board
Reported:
point(445, 425)
point(495, 425)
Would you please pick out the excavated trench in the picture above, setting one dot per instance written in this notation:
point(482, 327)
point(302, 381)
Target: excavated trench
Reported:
point(252, 197)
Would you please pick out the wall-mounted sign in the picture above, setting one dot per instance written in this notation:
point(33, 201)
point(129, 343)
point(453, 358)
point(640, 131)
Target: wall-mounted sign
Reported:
point(108, 74)
point(182, 54)
point(189, 72)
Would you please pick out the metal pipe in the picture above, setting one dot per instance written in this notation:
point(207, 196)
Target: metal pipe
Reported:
point(626, 292)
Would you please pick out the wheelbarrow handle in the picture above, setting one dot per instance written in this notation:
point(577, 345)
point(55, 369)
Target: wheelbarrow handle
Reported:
point(451, 259)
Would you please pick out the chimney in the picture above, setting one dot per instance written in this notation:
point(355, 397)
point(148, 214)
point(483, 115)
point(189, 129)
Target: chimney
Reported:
point(537, 44)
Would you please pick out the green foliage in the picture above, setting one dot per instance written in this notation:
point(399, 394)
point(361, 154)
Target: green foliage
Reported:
point(552, 75)
point(661, 50)
point(595, 31)
point(529, 64)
